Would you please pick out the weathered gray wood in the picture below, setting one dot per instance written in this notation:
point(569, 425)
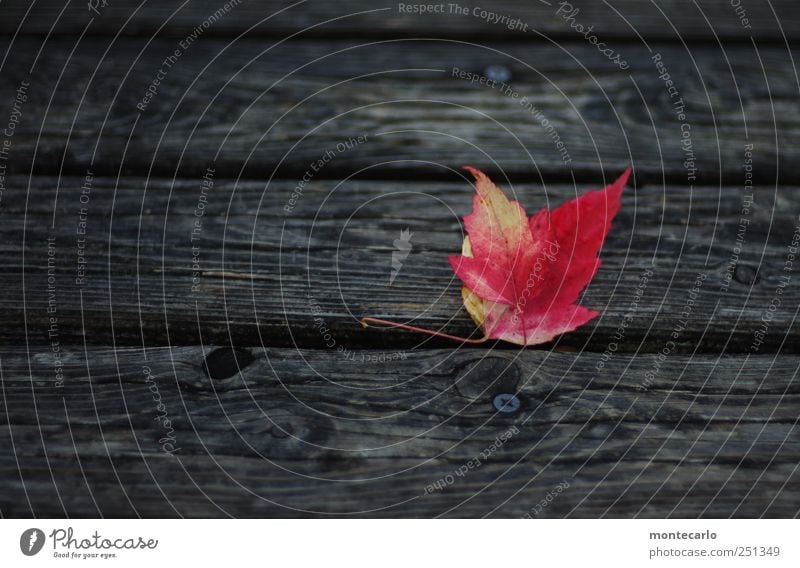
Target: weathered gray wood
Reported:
point(251, 107)
point(309, 432)
point(260, 266)
point(662, 19)
point(343, 431)
point(198, 486)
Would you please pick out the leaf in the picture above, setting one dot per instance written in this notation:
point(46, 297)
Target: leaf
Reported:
point(522, 275)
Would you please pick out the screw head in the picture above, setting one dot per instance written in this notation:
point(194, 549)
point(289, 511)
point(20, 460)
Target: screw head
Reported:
point(497, 73)
point(506, 402)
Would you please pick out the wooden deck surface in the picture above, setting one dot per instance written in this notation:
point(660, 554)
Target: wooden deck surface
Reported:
point(179, 330)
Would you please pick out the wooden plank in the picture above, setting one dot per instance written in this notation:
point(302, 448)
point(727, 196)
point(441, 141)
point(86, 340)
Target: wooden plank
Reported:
point(259, 109)
point(680, 271)
point(202, 487)
point(297, 433)
point(664, 19)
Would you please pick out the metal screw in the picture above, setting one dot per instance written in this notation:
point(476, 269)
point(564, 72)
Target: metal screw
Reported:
point(497, 73)
point(506, 402)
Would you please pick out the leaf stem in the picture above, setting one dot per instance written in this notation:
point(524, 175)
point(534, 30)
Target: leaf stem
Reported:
point(365, 321)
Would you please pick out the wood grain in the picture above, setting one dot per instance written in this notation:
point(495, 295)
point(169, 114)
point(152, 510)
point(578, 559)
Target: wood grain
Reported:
point(179, 329)
point(267, 276)
point(257, 109)
point(624, 19)
point(310, 433)
point(201, 487)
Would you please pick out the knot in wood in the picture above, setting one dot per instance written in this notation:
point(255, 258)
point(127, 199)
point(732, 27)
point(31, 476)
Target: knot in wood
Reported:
point(225, 362)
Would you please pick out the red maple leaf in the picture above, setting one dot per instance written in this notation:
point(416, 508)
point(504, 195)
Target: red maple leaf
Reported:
point(523, 275)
